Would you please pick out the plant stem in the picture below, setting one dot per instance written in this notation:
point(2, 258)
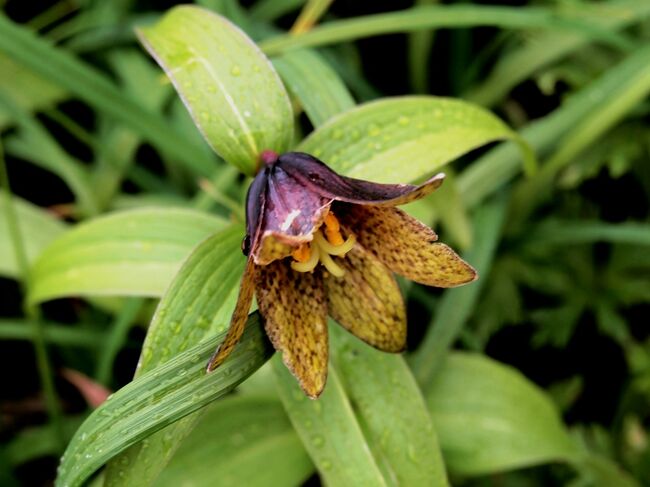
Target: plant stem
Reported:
point(32, 312)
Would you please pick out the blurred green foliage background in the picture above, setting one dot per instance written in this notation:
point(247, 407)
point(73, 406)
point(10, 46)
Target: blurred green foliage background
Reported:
point(537, 374)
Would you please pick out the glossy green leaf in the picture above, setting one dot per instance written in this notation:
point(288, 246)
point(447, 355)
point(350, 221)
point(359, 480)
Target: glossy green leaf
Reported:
point(315, 84)
point(157, 399)
point(403, 139)
point(490, 418)
point(38, 228)
point(392, 411)
point(134, 253)
point(235, 97)
point(196, 306)
point(329, 430)
point(240, 441)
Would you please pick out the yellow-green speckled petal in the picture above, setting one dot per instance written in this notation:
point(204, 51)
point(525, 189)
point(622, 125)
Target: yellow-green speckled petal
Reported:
point(295, 313)
point(238, 318)
point(367, 301)
point(406, 246)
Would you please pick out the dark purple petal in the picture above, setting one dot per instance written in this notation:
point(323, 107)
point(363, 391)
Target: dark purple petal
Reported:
point(282, 213)
point(255, 202)
point(318, 178)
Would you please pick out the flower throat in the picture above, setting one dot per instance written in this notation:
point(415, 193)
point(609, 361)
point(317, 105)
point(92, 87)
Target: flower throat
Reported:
point(322, 248)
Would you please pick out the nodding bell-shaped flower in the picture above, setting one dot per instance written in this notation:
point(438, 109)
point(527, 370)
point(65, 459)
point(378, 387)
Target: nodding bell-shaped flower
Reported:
point(320, 244)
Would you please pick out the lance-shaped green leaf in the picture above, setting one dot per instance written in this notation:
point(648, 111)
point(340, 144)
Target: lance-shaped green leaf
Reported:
point(390, 406)
point(37, 227)
point(157, 399)
point(233, 93)
point(490, 418)
point(131, 253)
point(329, 430)
point(405, 138)
point(240, 441)
point(196, 306)
point(315, 84)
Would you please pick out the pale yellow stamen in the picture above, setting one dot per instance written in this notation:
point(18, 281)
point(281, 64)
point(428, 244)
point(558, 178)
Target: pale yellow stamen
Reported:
point(339, 249)
point(331, 266)
point(310, 264)
point(322, 247)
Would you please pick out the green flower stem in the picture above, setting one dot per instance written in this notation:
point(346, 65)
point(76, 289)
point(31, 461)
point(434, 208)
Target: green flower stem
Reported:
point(32, 312)
point(309, 15)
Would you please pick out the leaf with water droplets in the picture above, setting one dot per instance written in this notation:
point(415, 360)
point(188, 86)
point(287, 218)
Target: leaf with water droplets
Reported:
point(157, 399)
point(197, 305)
point(230, 88)
point(405, 138)
point(240, 441)
point(329, 430)
point(130, 253)
point(386, 398)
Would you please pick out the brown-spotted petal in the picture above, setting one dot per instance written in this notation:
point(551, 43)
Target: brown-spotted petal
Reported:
point(367, 301)
point(406, 246)
point(295, 313)
point(291, 214)
point(319, 178)
point(238, 318)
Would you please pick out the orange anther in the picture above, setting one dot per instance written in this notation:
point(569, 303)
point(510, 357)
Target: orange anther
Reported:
point(333, 229)
point(302, 253)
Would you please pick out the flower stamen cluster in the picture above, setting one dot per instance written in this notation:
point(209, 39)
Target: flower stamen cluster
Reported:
point(322, 247)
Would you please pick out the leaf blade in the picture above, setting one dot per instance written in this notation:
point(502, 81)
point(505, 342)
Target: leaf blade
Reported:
point(132, 253)
point(231, 90)
point(428, 132)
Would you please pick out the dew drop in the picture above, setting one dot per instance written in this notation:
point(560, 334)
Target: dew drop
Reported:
point(212, 89)
point(374, 130)
point(235, 70)
point(318, 441)
point(403, 120)
point(337, 134)
point(247, 114)
point(326, 465)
